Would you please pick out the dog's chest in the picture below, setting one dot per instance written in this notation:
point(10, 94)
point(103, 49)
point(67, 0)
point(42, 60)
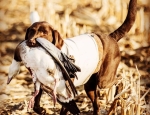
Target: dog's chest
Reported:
point(85, 51)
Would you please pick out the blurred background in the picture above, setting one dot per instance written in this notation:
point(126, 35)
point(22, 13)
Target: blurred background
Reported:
point(71, 18)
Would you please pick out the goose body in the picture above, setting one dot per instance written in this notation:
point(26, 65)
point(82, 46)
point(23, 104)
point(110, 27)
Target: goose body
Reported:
point(43, 70)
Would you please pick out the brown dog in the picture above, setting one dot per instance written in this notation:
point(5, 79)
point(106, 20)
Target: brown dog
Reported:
point(105, 76)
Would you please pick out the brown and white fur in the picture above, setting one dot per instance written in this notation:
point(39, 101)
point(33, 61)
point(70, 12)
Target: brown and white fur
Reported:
point(105, 76)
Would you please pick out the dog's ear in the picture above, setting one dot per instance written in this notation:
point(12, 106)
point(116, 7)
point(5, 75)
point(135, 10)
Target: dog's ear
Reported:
point(57, 40)
point(27, 32)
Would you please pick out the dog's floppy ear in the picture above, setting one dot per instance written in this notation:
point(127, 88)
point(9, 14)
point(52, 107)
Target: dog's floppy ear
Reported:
point(26, 36)
point(57, 40)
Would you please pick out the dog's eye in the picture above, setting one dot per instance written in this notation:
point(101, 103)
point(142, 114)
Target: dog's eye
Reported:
point(42, 29)
point(45, 32)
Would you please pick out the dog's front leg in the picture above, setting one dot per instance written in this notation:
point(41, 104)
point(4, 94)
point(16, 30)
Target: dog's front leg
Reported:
point(63, 111)
point(37, 108)
point(90, 88)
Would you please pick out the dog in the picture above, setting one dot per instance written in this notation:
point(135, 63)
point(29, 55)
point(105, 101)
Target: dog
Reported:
point(106, 62)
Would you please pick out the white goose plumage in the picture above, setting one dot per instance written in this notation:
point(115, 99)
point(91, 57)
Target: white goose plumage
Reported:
point(43, 70)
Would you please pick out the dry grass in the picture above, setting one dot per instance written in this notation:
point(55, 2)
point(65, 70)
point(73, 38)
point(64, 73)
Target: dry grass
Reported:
point(130, 100)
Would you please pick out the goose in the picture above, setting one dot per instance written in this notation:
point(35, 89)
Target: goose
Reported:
point(46, 71)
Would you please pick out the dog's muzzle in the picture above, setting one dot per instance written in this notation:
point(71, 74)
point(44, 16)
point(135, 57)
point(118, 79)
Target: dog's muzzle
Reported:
point(32, 43)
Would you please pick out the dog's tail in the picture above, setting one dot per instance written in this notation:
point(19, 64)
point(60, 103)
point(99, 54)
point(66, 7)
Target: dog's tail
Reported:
point(34, 17)
point(127, 24)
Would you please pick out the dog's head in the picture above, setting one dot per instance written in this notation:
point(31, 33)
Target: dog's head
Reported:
point(44, 30)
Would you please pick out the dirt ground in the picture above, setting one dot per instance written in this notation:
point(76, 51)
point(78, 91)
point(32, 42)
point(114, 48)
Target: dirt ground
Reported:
point(14, 20)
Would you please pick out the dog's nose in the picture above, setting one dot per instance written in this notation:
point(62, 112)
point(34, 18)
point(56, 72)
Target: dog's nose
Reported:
point(32, 41)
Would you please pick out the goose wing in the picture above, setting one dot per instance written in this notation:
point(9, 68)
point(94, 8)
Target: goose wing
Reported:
point(57, 55)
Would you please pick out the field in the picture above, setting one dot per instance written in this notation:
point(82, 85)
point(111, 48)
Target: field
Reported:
point(71, 18)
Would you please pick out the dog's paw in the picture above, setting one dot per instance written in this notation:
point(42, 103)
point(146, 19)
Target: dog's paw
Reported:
point(39, 110)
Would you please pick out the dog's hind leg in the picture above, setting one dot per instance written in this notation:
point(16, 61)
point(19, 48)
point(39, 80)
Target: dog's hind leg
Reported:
point(90, 88)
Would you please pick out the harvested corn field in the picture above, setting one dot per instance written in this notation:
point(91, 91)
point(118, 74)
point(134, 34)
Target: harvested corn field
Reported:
point(71, 18)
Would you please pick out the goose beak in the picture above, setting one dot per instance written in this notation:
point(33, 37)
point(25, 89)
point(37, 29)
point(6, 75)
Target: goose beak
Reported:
point(9, 80)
